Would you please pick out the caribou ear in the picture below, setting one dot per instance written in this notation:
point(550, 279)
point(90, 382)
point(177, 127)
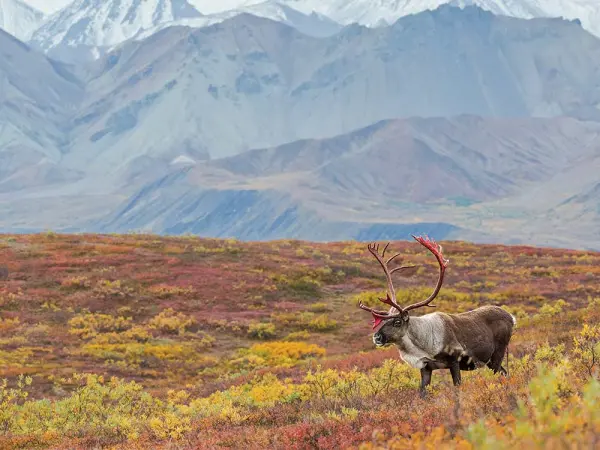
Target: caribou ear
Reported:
point(405, 316)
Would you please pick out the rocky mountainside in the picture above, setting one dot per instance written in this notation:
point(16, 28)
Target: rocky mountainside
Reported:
point(36, 97)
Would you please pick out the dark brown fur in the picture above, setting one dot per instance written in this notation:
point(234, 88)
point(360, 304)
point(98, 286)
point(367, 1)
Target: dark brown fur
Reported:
point(484, 333)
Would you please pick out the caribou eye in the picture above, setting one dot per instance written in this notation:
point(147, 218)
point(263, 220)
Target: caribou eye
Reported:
point(397, 322)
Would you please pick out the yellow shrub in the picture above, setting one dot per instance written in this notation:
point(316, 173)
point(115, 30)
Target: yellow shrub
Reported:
point(86, 326)
point(552, 310)
point(113, 410)
point(261, 330)
point(303, 285)
point(322, 323)
point(170, 322)
point(9, 325)
point(587, 348)
point(330, 384)
point(107, 288)
point(369, 298)
point(276, 354)
point(134, 334)
point(263, 391)
point(136, 354)
point(169, 426)
point(287, 350)
point(550, 354)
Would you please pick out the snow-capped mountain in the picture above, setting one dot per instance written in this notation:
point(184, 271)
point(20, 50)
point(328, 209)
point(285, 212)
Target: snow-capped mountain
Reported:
point(87, 28)
point(382, 12)
point(88, 25)
point(311, 24)
point(19, 19)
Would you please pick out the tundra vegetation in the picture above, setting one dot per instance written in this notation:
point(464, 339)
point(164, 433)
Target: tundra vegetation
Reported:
point(135, 341)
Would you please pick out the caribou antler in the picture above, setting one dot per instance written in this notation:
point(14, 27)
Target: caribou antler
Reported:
point(436, 249)
point(380, 316)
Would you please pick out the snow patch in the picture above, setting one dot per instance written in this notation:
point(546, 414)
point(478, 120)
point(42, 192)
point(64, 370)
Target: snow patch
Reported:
point(183, 159)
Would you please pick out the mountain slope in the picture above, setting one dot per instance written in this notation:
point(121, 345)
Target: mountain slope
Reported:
point(19, 19)
point(166, 97)
point(89, 25)
point(36, 98)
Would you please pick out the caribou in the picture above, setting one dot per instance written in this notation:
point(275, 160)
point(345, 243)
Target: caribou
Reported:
point(465, 341)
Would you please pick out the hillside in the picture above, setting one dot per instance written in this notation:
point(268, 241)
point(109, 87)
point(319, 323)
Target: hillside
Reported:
point(222, 343)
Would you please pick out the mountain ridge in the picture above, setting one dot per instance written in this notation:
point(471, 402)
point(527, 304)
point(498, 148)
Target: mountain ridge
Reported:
point(74, 31)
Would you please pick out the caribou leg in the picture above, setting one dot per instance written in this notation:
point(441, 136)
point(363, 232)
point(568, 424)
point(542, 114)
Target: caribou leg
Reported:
point(455, 372)
point(495, 362)
point(425, 381)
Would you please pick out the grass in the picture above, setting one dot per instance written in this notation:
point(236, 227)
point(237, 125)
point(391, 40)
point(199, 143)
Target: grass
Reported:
point(137, 341)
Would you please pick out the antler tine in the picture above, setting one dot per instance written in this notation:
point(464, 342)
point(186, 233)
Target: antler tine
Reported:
point(376, 313)
point(391, 295)
point(436, 249)
point(391, 258)
point(378, 316)
point(396, 269)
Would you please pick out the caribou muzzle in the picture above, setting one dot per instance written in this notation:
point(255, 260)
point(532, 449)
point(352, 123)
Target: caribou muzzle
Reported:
point(379, 339)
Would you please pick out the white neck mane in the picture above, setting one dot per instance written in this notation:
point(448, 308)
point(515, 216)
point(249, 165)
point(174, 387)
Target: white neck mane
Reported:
point(423, 340)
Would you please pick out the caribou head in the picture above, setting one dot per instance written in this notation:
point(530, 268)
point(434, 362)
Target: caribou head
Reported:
point(392, 325)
